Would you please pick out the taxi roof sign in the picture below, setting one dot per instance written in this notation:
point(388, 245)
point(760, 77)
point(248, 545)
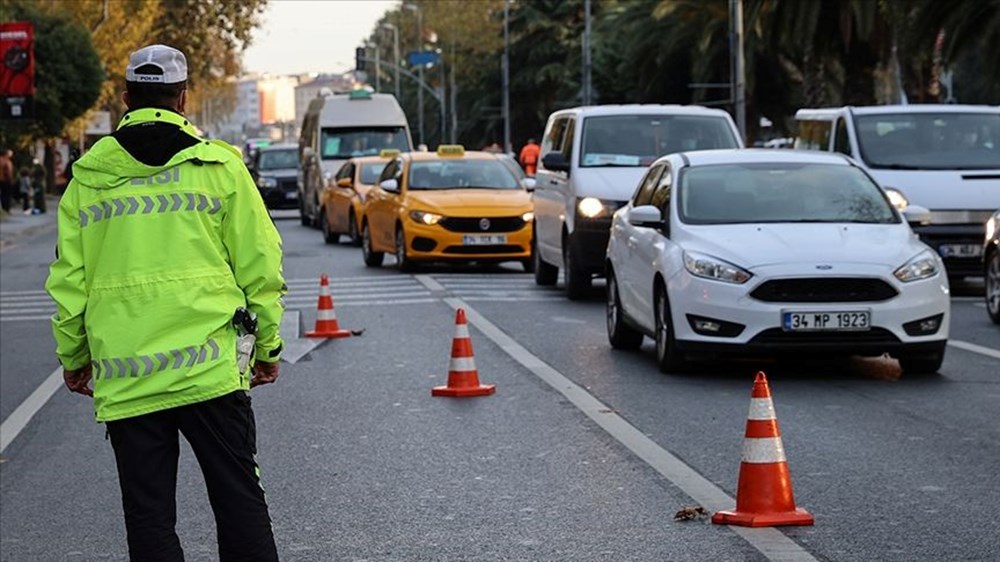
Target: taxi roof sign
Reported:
point(388, 153)
point(454, 150)
point(360, 94)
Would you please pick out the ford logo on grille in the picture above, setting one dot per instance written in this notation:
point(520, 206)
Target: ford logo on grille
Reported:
point(824, 267)
point(484, 224)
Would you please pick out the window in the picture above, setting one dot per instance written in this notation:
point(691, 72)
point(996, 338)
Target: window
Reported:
point(567, 144)
point(661, 196)
point(814, 135)
point(841, 143)
point(461, 174)
point(370, 172)
point(360, 141)
point(392, 171)
point(638, 140)
point(553, 140)
point(930, 141)
point(345, 171)
point(278, 159)
point(644, 193)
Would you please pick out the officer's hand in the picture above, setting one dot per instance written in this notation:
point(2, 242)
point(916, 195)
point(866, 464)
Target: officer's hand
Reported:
point(78, 380)
point(264, 373)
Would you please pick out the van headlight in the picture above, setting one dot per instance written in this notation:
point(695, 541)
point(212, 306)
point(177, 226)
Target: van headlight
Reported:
point(897, 199)
point(423, 217)
point(992, 225)
point(592, 207)
point(708, 267)
point(921, 266)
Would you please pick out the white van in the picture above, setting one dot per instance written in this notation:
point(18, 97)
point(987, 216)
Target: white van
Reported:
point(944, 158)
point(337, 127)
point(592, 160)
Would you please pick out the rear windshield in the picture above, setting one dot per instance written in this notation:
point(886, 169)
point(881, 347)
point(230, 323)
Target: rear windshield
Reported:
point(278, 159)
point(930, 141)
point(371, 172)
point(638, 140)
point(461, 174)
point(340, 144)
point(772, 192)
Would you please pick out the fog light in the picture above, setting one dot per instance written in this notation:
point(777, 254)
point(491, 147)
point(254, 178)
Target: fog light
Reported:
point(706, 326)
point(924, 326)
point(714, 327)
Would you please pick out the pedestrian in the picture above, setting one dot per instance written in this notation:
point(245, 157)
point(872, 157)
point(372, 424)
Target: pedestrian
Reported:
point(529, 157)
point(24, 188)
point(38, 184)
point(167, 264)
point(6, 178)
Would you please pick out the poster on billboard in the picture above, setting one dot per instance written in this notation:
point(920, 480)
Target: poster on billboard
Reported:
point(17, 69)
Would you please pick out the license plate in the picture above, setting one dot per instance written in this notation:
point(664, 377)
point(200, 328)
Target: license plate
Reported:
point(484, 239)
point(960, 250)
point(826, 321)
point(291, 195)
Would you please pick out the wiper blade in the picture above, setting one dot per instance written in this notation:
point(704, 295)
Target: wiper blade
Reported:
point(613, 165)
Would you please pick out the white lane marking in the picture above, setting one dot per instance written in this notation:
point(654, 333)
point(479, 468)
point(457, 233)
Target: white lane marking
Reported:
point(539, 298)
point(429, 282)
point(14, 301)
point(345, 298)
point(773, 544)
point(987, 351)
point(19, 418)
point(24, 318)
point(370, 303)
point(358, 278)
point(342, 291)
point(22, 310)
point(19, 293)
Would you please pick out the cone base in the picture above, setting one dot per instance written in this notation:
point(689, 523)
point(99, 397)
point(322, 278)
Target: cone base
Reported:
point(747, 519)
point(481, 390)
point(329, 334)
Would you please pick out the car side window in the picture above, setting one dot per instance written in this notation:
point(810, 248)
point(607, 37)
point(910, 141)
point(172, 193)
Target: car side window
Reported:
point(389, 172)
point(841, 143)
point(644, 193)
point(346, 171)
point(661, 195)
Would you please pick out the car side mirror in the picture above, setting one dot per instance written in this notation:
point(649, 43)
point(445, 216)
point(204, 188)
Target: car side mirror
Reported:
point(528, 184)
point(390, 185)
point(646, 216)
point(344, 182)
point(915, 214)
point(556, 162)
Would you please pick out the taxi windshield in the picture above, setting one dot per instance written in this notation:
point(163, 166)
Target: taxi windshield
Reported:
point(461, 174)
point(780, 193)
point(371, 172)
point(638, 140)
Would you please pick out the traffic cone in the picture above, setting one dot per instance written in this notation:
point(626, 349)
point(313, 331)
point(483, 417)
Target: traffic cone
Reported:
point(326, 318)
point(764, 494)
point(463, 378)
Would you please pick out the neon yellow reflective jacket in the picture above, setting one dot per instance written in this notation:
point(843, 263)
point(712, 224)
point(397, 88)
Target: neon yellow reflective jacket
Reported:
point(152, 263)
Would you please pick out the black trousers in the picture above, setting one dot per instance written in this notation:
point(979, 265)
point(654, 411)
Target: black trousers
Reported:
point(223, 434)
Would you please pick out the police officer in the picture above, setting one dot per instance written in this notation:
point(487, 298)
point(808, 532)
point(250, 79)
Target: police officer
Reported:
point(162, 238)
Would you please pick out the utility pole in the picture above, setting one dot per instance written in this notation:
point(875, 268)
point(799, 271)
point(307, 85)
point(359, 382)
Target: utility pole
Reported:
point(454, 99)
point(378, 69)
point(738, 76)
point(395, 51)
point(444, 118)
point(587, 99)
point(505, 73)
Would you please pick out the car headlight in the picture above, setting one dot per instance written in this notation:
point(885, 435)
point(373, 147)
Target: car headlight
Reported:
point(897, 199)
point(921, 266)
point(992, 225)
point(267, 182)
point(528, 217)
point(423, 217)
point(592, 207)
point(708, 267)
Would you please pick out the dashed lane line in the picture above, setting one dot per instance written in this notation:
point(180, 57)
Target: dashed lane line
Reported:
point(19, 418)
point(982, 350)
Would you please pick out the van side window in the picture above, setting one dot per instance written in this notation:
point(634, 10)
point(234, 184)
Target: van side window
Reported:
point(841, 143)
point(644, 194)
point(813, 135)
point(553, 139)
point(567, 144)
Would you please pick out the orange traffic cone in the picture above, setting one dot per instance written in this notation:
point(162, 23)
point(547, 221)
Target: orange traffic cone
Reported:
point(764, 493)
point(463, 378)
point(326, 318)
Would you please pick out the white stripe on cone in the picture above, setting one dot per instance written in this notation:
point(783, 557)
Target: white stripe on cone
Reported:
point(462, 364)
point(324, 290)
point(759, 450)
point(461, 331)
point(326, 314)
point(761, 409)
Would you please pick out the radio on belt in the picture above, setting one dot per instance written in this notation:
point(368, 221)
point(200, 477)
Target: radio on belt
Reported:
point(245, 323)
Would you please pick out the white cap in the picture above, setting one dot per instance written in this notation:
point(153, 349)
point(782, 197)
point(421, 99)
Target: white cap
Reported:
point(169, 60)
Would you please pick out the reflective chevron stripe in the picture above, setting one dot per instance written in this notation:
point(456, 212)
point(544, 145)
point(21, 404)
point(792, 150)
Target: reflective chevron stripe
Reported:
point(145, 204)
point(145, 365)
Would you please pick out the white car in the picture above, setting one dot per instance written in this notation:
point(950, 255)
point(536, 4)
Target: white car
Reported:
point(764, 252)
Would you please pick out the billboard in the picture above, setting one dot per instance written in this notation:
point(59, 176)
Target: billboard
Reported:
point(17, 68)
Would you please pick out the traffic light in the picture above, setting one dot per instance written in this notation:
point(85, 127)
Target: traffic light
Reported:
point(359, 58)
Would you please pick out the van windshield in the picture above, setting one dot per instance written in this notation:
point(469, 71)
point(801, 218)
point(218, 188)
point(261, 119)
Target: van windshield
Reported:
point(638, 140)
point(343, 143)
point(930, 141)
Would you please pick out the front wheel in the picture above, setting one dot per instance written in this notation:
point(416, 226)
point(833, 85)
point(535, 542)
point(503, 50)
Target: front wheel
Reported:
point(545, 275)
point(329, 236)
point(371, 257)
point(403, 262)
point(352, 229)
point(668, 358)
point(992, 274)
point(620, 334)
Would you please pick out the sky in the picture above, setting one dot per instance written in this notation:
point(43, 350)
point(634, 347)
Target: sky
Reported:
point(299, 36)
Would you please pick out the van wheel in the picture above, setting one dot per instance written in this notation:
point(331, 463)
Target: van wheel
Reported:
point(324, 225)
point(668, 358)
point(620, 334)
point(545, 275)
point(371, 257)
point(578, 281)
point(352, 229)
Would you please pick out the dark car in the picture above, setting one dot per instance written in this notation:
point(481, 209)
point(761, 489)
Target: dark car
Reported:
point(276, 172)
point(991, 267)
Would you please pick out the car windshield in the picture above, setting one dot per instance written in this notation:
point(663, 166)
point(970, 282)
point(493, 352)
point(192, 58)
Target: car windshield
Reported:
point(340, 144)
point(930, 141)
point(278, 159)
point(461, 174)
point(371, 172)
point(638, 140)
point(780, 192)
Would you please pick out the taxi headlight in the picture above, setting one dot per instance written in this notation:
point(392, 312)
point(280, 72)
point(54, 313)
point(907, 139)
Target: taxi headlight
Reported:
point(897, 199)
point(921, 266)
point(528, 217)
point(592, 207)
point(423, 217)
point(701, 265)
point(267, 182)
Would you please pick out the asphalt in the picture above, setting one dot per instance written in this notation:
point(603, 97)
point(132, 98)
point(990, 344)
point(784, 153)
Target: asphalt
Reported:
point(16, 226)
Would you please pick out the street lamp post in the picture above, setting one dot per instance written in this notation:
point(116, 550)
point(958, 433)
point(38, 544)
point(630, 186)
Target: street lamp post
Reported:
point(420, 71)
point(505, 78)
point(395, 51)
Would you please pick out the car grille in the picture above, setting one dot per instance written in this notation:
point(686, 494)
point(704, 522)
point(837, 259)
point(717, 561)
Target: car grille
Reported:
point(834, 289)
point(775, 336)
point(485, 249)
point(288, 185)
point(472, 224)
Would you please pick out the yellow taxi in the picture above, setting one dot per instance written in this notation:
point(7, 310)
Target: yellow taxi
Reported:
point(344, 195)
point(450, 205)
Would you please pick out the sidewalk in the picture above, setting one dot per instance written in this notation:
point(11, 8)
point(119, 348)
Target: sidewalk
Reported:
point(16, 225)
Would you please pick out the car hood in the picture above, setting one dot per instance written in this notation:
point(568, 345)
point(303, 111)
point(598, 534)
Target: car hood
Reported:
point(615, 184)
point(759, 245)
point(944, 190)
point(471, 202)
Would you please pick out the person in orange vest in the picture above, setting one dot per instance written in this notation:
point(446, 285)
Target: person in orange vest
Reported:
point(529, 157)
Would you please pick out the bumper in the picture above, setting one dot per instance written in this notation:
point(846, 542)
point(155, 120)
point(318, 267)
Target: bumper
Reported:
point(946, 239)
point(755, 326)
point(590, 242)
point(281, 197)
point(435, 243)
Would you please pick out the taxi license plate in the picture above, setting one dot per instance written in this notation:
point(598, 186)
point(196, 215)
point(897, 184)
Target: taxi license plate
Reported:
point(827, 321)
point(484, 239)
point(960, 250)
